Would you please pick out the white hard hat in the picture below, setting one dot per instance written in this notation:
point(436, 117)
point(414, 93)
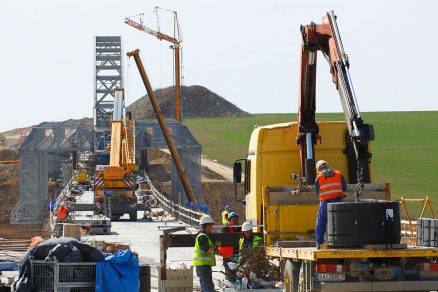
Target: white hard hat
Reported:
point(206, 219)
point(247, 226)
point(319, 163)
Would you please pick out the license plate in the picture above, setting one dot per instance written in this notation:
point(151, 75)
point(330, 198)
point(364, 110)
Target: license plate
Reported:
point(329, 277)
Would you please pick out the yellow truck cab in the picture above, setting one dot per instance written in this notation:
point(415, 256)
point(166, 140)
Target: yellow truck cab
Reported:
point(272, 163)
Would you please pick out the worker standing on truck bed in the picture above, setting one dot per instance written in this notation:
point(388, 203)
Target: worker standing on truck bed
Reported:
point(203, 255)
point(330, 187)
point(248, 239)
point(225, 214)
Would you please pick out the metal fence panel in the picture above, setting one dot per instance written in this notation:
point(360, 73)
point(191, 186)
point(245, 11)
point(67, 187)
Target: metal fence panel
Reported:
point(63, 277)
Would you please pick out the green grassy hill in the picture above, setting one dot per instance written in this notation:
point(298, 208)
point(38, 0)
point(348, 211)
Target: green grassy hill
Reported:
point(405, 151)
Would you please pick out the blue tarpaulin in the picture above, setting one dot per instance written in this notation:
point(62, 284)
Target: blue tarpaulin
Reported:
point(8, 266)
point(118, 272)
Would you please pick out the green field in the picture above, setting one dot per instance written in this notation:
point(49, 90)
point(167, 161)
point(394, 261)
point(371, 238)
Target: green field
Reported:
point(405, 151)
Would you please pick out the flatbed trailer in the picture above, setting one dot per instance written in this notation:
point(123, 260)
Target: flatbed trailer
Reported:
point(403, 268)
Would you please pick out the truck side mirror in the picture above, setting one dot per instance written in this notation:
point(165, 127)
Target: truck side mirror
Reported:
point(237, 172)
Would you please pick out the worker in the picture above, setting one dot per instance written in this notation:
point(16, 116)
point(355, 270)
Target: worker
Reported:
point(148, 208)
point(248, 239)
point(204, 254)
point(62, 212)
point(233, 219)
point(330, 187)
point(225, 214)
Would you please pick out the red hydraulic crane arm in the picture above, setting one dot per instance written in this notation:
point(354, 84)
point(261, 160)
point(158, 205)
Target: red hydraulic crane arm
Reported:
point(325, 37)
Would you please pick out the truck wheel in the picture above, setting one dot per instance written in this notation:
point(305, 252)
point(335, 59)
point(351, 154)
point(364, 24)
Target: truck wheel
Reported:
point(291, 275)
point(133, 216)
point(306, 275)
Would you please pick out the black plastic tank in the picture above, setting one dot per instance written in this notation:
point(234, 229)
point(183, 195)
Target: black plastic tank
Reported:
point(365, 222)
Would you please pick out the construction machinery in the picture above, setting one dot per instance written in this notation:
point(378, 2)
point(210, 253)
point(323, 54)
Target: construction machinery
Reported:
point(163, 125)
point(116, 181)
point(285, 211)
point(81, 177)
point(176, 41)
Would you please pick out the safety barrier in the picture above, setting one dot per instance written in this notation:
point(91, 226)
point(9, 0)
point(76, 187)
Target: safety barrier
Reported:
point(18, 216)
point(53, 219)
point(178, 211)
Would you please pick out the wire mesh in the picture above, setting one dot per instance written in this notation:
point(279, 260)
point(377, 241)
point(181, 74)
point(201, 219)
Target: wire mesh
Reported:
point(62, 277)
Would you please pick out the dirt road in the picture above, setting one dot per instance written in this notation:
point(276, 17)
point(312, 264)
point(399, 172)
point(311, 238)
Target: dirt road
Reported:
point(223, 170)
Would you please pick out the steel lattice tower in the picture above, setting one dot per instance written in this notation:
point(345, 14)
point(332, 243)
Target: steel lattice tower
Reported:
point(109, 75)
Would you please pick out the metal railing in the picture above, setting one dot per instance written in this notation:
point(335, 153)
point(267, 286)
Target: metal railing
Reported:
point(178, 211)
point(19, 216)
point(53, 219)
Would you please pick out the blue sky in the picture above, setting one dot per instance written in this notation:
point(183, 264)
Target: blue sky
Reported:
point(246, 51)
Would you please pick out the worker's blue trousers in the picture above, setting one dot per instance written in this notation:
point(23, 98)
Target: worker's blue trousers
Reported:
point(205, 278)
point(321, 219)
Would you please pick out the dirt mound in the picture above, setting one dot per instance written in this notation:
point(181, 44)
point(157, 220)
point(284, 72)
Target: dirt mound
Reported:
point(9, 190)
point(218, 194)
point(197, 101)
point(8, 154)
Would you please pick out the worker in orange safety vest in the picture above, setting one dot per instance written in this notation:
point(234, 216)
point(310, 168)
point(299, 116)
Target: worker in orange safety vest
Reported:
point(62, 212)
point(330, 187)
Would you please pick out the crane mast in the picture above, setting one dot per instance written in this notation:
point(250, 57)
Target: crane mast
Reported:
point(176, 41)
point(325, 37)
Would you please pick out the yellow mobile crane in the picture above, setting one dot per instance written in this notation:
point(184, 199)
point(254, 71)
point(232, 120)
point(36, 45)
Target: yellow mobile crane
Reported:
point(117, 179)
point(176, 41)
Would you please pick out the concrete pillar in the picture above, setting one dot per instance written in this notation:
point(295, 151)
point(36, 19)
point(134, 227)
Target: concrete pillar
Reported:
point(33, 183)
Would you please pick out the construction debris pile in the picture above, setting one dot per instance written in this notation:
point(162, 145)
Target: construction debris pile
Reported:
point(255, 271)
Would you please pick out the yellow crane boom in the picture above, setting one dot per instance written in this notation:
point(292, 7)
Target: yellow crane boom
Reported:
point(163, 125)
point(176, 46)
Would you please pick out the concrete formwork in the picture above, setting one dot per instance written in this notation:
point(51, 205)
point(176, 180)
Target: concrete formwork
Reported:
point(44, 151)
point(150, 136)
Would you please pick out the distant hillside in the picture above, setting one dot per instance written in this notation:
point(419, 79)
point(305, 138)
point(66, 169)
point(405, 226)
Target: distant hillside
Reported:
point(197, 101)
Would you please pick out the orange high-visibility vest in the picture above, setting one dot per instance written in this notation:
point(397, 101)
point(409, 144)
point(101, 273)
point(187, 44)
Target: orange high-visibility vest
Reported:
point(62, 213)
point(330, 187)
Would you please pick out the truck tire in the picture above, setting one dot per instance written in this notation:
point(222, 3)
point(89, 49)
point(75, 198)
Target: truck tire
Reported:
point(133, 216)
point(291, 275)
point(115, 217)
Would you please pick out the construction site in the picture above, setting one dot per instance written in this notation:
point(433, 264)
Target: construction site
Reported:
point(128, 200)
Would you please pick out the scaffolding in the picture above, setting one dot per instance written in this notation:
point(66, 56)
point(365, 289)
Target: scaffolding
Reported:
point(108, 76)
